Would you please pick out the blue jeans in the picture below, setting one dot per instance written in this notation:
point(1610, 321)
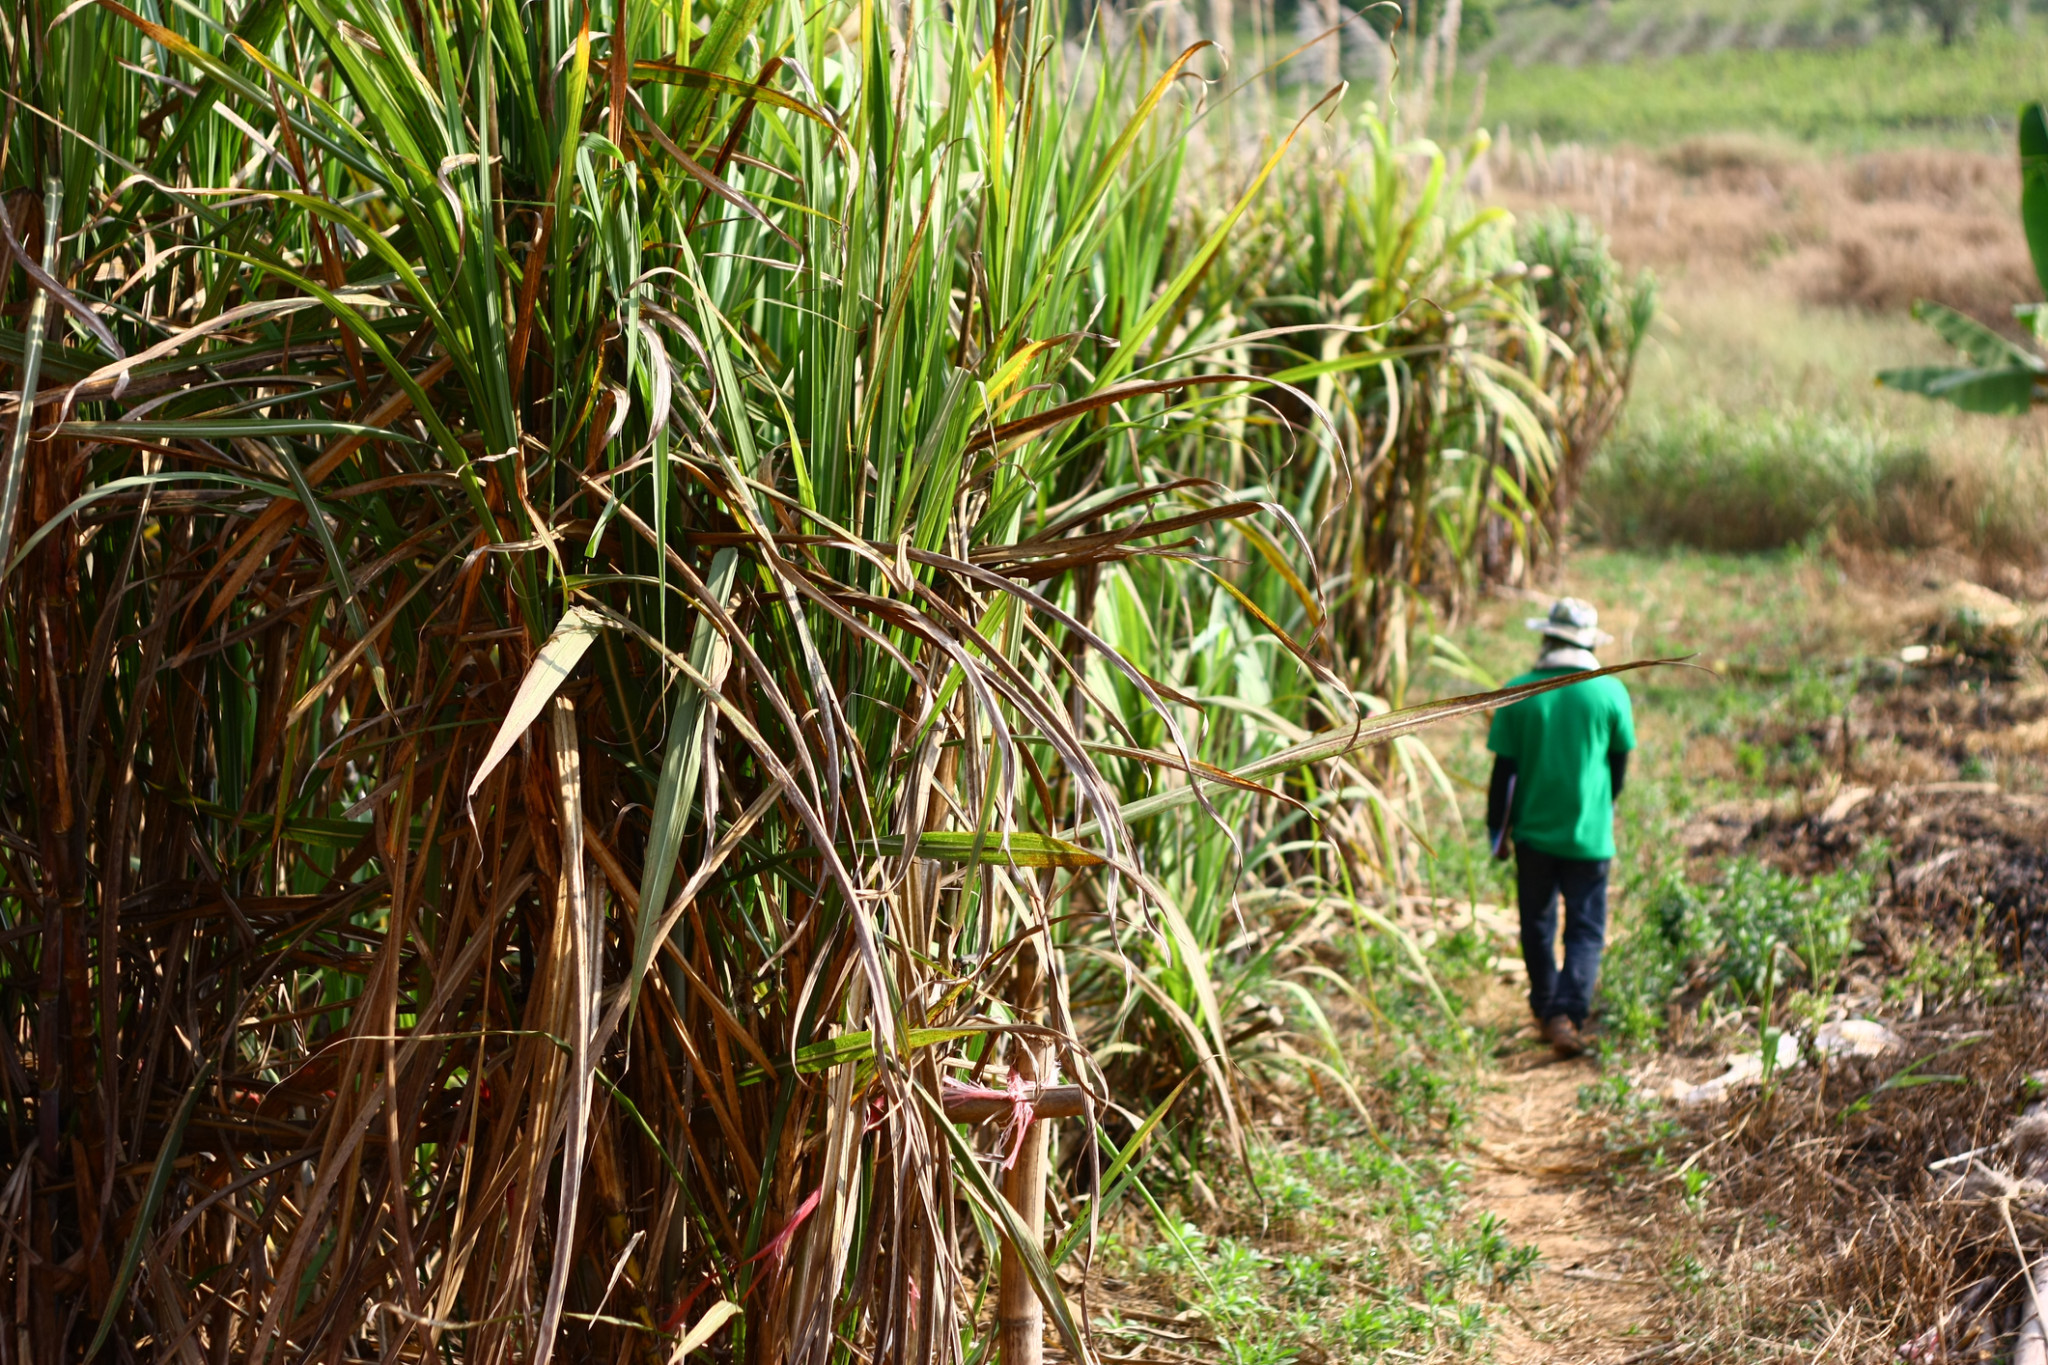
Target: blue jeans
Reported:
point(1582, 882)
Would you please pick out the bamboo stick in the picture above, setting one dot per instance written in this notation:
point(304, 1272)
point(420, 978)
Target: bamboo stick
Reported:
point(964, 1104)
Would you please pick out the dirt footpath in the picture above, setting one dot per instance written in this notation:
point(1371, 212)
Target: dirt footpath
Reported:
point(1540, 1168)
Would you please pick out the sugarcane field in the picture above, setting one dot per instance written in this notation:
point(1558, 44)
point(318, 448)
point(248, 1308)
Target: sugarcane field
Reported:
point(955, 682)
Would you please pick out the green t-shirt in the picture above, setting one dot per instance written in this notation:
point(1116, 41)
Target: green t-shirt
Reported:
point(1559, 740)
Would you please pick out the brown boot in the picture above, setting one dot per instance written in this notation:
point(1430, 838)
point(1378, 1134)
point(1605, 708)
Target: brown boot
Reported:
point(1564, 1036)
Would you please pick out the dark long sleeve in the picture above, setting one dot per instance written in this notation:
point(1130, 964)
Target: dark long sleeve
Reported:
point(1617, 769)
point(1497, 797)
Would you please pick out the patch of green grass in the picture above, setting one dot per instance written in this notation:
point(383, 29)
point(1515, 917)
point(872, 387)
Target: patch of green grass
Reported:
point(1896, 89)
point(1371, 1250)
point(1639, 1136)
point(1742, 346)
point(1754, 481)
point(1755, 421)
point(1756, 611)
point(1759, 930)
point(1953, 973)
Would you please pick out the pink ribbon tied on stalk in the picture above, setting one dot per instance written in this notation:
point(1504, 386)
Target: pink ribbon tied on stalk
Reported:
point(1019, 1099)
point(1022, 1111)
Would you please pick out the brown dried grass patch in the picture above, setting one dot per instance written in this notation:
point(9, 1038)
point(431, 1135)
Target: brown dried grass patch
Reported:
point(1826, 1215)
point(1874, 232)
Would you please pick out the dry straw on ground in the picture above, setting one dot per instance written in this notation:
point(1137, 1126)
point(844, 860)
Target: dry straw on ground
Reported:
point(1874, 231)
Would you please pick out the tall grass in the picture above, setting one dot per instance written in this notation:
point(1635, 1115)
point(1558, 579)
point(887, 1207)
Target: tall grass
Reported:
point(1728, 482)
point(610, 607)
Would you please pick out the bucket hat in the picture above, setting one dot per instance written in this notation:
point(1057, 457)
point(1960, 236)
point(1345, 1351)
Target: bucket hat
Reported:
point(1572, 621)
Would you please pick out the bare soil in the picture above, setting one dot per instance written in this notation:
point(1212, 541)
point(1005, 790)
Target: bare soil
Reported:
point(1539, 1168)
point(1943, 768)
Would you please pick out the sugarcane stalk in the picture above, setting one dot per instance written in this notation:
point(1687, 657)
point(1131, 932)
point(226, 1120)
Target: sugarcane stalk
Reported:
point(1020, 1317)
point(31, 369)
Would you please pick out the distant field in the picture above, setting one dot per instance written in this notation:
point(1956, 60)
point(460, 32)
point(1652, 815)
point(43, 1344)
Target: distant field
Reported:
point(1891, 91)
point(1526, 32)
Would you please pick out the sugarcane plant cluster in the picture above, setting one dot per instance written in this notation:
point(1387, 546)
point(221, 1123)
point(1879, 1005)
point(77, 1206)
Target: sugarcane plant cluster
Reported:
point(629, 635)
point(1471, 367)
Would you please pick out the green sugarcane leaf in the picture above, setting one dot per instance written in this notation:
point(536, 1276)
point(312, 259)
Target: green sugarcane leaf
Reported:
point(1019, 849)
point(964, 848)
point(2034, 187)
point(733, 25)
point(315, 831)
point(225, 429)
point(1112, 1181)
point(13, 477)
point(337, 569)
point(859, 1046)
point(682, 760)
point(152, 1198)
point(696, 78)
point(1368, 731)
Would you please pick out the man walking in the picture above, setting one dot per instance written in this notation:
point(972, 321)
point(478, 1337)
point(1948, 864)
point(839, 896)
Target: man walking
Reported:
point(1560, 759)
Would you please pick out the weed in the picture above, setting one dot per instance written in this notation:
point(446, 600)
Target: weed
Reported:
point(1642, 970)
point(1426, 1100)
point(1237, 1274)
point(1258, 1351)
point(1748, 931)
point(1954, 972)
point(1760, 912)
point(1818, 693)
point(1463, 952)
point(1374, 1327)
point(1612, 1093)
point(1752, 759)
point(1638, 1131)
point(1687, 1273)
point(1421, 1278)
point(1181, 1249)
point(1306, 1278)
point(1497, 1260)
